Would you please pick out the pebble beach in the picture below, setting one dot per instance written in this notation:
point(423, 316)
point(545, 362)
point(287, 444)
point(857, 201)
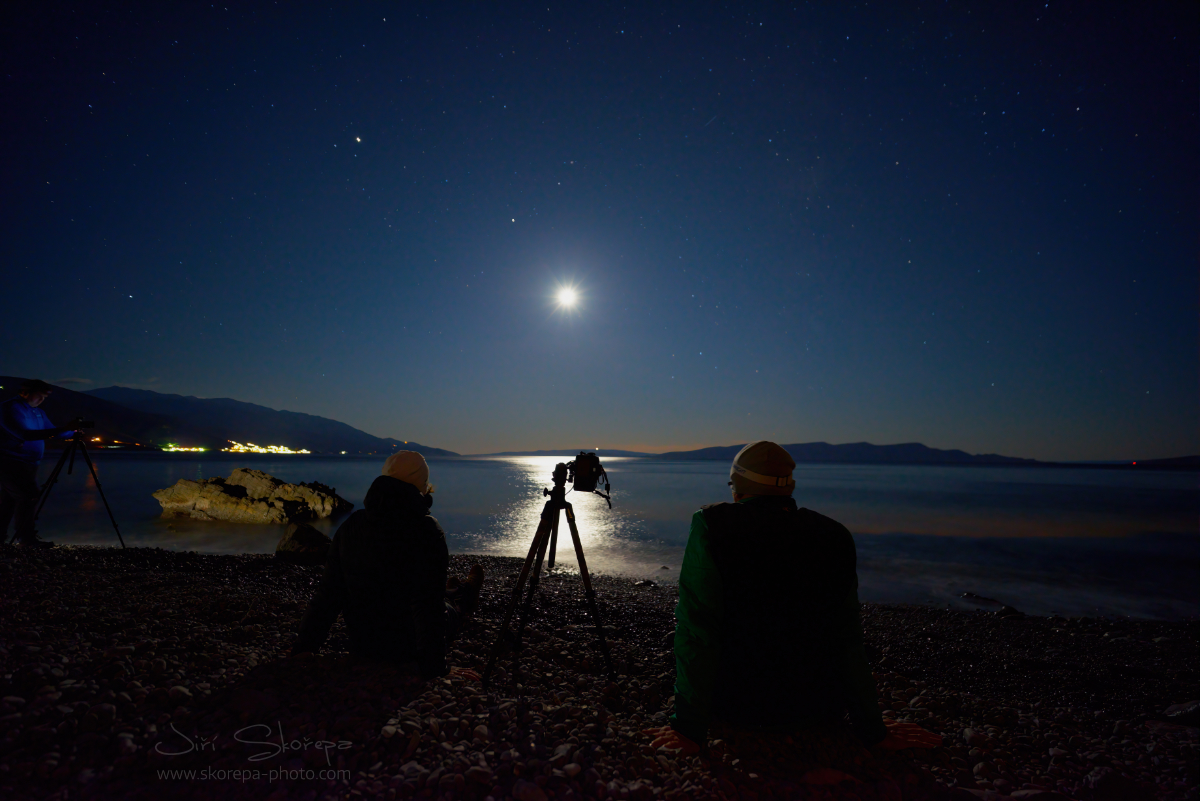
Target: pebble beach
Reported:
point(147, 673)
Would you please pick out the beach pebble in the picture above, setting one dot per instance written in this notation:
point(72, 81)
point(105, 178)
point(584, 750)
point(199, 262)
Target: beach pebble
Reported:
point(527, 791)
point(1107, 784)
point(105, 714)
point(975, 738)
point(552, 723)
point(1185, 714)
point(479, 773)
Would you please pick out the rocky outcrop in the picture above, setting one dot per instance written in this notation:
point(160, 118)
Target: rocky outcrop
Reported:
point(303, 545)
point(250, 496)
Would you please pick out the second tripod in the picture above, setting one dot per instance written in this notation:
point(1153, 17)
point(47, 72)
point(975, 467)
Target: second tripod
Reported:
point(546, 537)
point(68, 458)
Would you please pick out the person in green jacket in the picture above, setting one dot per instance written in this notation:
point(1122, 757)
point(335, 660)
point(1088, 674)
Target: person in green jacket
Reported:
point(764, 648)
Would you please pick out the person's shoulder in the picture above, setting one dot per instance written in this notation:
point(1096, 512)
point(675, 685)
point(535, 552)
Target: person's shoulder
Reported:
point(357, 519)
point(15, 410)
point(819, 522)
point(715, 513)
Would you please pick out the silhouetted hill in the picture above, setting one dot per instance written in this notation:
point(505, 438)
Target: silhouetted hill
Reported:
point(424, 450)
point(1176, 463)
point(861, 453)
point(224, 419)
point(114, 422)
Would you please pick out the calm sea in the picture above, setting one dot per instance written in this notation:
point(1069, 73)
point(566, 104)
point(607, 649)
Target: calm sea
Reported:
point(1067, 540)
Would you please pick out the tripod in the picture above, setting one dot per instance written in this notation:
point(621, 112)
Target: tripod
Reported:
point(76, 445)
point(547, 535)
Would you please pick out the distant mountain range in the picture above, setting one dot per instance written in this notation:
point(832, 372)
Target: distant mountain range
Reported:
point(224, 419)
point(866, 453)
point(568, 453)
point(861, 453)
point(227, 419)
point(113, 421)
point(856, 452)
point(143, 418)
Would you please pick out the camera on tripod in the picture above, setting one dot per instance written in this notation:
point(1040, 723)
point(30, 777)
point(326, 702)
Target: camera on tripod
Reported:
point(81, 423)
point(586, 473)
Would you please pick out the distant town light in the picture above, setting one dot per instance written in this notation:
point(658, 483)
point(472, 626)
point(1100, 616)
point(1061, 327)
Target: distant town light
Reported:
point(171, 447)
point(250, 447)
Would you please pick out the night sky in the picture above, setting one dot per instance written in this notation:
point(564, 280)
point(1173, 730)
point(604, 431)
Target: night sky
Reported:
point(968, 225)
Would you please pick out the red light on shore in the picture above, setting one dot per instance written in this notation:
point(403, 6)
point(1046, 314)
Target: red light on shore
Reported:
point(1135, 462)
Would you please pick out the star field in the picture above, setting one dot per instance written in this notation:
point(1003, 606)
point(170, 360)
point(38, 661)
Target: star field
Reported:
point(968, 226)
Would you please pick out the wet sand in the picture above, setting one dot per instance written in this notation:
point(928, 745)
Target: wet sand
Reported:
point(118, 666)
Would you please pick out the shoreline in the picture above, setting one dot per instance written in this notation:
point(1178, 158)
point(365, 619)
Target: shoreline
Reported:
point(106, 655)
point(1181, 464)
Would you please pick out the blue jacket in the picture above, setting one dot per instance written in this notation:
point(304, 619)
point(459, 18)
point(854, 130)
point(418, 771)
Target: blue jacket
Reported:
point(22, 431)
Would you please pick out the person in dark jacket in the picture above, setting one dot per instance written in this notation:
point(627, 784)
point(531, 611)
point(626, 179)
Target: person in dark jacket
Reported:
point(386, 575)
point(24, 429)
point(758, 651)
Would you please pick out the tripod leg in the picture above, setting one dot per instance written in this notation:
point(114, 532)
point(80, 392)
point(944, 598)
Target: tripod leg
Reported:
point(534, 580)
point(51, 480)
point(587, 588)
point(542, 530)
point(100, 489)
point(553, 540)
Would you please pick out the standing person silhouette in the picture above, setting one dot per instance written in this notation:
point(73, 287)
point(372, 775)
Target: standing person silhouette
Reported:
point(24, 429)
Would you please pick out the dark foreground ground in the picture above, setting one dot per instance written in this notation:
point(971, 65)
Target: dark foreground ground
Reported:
point(153, 674)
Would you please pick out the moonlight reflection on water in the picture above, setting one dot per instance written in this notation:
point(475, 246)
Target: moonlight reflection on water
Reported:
point(1065, 540)
point(603, 532)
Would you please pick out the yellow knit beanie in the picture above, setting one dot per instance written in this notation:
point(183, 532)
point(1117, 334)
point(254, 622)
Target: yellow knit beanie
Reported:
point(409, 467)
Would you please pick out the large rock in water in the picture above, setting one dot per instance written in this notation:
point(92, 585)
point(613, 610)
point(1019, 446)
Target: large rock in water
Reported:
point(250, 496)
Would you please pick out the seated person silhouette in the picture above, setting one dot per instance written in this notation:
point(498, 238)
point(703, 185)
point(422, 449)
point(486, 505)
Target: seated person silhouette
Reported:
point(386, 575)
point(766, 648)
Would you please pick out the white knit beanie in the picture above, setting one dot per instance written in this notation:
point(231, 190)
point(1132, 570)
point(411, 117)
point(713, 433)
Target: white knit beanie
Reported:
point(763, 468)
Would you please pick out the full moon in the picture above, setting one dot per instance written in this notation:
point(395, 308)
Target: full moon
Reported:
point(567, 297)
